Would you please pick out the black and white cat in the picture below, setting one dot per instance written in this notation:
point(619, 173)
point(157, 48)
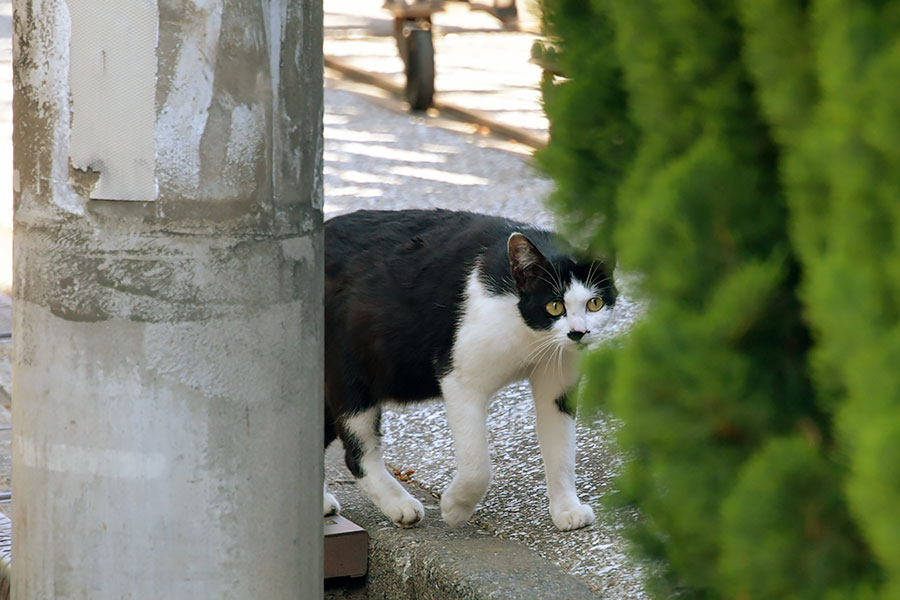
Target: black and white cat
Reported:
point(421, 304)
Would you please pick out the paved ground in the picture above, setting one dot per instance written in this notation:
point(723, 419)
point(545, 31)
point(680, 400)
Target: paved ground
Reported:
point(376, 158)
point(479, 65)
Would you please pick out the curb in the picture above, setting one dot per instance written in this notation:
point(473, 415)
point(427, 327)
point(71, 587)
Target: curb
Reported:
point(435, 562)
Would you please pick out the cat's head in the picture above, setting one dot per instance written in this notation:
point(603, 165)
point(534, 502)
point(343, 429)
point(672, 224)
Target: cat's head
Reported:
point(569, 299)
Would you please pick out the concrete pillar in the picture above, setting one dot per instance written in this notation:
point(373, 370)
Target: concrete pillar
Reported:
point(167, 355)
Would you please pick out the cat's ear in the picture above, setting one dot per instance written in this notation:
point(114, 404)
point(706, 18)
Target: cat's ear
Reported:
point(525, 261)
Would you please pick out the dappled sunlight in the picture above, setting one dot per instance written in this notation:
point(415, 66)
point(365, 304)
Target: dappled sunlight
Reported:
point(332, 119)
point(384, 152)
point(497, 78)
point(379, 159)
point(440, 148)
point(438, 175)
point(351, 135)
point(362, 176)
point(355, 191)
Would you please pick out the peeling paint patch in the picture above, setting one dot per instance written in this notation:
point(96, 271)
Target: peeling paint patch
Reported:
point(185, 109)
point(274, 24)
point(47, 60)
point(298, 249)
point(246, 143)
point(42, 66)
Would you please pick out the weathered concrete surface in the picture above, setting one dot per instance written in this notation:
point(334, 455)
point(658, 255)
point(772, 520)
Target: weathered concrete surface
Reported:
point(436, 562)
point(167, 356)
point(6, 211)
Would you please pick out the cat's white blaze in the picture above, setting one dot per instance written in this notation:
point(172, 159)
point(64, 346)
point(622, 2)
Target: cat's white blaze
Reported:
point(492, 340)
point(385, 491)
point(576, 299)
point(578, 317)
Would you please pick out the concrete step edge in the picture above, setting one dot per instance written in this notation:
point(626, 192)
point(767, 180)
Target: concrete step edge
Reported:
point(435, 562)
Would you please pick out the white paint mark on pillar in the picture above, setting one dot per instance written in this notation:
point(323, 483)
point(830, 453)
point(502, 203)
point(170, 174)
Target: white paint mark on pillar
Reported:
point(246, 142)
point(112, 78)
point(65, 458)
point(299, 249)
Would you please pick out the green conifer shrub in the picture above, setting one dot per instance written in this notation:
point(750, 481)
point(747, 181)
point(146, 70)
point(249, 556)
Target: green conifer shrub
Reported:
point(743, 157)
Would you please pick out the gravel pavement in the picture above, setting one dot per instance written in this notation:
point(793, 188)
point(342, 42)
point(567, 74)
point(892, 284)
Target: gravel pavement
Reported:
point(378, 158)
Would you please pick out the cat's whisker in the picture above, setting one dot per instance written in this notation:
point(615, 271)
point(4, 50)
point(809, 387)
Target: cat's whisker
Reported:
point(600, 283)
point(559, 357)
point(538, 355)
point(556, 272)
point(554, 281)
point(593, 272)
point(551, 284)
point(542, 347)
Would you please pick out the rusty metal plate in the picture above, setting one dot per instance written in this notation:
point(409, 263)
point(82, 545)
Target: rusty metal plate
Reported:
point(346, 548)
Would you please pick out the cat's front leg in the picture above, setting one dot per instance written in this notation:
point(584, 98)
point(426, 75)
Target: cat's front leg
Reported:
point(467, 416)
point(556, 436)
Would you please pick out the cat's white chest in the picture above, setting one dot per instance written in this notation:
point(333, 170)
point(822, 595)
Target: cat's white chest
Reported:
point(493, 345)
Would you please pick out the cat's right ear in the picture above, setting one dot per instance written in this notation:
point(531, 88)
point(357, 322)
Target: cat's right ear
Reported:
point(525, 261)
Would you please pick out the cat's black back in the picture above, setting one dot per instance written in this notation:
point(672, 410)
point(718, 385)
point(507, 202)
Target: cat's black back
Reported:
point(394, 283)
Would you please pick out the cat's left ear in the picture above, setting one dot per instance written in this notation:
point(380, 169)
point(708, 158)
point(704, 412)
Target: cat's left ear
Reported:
point(525, 261)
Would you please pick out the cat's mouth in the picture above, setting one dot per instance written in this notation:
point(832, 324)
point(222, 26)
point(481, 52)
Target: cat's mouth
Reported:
point(579, 343)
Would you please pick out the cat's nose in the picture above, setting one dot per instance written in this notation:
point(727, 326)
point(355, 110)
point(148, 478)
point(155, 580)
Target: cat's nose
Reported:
point(576, 336)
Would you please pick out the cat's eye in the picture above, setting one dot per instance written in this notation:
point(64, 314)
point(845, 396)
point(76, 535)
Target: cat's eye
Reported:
point(555, 308)
point(594, 304)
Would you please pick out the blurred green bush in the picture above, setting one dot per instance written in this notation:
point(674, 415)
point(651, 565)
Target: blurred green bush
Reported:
point(743, 157)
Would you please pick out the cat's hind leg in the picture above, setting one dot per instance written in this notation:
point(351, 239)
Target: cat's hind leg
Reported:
point(330, 505)
point(360, 432)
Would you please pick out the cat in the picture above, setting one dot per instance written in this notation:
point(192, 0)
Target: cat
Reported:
point(422, 304)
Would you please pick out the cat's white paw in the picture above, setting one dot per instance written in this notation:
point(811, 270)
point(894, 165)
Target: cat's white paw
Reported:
point(462, 495)
point(404, 512)
point(571, 515)
point(391, 499)
point(454, 510)
point(330, 505)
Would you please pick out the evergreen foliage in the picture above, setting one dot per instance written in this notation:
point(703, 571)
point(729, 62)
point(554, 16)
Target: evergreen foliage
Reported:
point(742, 156)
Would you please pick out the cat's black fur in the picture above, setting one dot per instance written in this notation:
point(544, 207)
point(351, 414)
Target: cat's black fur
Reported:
point(394, 283)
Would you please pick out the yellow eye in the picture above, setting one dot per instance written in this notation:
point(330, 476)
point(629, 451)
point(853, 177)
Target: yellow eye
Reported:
point(595, 304)
point(555, 308)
